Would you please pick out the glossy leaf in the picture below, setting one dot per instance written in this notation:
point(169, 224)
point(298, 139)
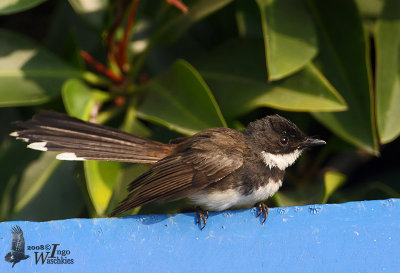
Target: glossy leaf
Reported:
point(332, 181)
point(388, 71)
point(240, 84)
point(180, 100)
point(35, 185)
point(248, 19)
point(93, 11)
point(289, 36)
point(79, 99)
point(101, 177)
point(370, 9)
point(36, 175)
point(344, 60)
point(173, 27)
point(29, 74)
point(13, 6)
point(59, 198)
point(179, 23)
point(131, 122)
point(13, 166)
point(25, 176)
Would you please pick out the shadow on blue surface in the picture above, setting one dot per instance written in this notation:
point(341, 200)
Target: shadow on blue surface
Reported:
point(350, 237)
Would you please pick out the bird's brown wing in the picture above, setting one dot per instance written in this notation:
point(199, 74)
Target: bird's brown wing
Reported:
point(199, 161)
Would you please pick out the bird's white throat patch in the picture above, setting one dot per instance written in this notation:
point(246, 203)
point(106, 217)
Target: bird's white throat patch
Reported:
point(281, 161)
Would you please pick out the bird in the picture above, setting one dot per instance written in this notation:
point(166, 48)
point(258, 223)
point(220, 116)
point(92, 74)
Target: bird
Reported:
point(17, 252)
point(216, 169)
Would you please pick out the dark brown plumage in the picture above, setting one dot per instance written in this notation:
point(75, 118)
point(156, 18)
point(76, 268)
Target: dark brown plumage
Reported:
point(89, 140)
point(194, 164)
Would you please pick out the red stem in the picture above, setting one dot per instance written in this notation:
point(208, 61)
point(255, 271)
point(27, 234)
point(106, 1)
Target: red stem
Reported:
point(114, 27)
point(123, 45)
point(116, 52)
point(100, 67)
point(179, 5)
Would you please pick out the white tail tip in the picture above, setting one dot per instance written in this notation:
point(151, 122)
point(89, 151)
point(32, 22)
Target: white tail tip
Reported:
point(40, 146)
point(16, 135)
point(69, 156)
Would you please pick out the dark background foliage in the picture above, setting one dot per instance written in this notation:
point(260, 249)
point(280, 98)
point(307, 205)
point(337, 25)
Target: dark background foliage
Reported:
point(162, 69)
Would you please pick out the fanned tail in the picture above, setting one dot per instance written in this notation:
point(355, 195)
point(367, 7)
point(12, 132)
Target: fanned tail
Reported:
point(80, 140)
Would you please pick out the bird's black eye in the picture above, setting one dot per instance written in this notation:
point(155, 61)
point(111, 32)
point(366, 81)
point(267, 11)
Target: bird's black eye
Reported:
point(284, 140)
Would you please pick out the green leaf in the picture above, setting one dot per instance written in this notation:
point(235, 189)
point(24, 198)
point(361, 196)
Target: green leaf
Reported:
point(14, 161)
point(93, 11)
point(344, 60)
point(101, 178)
point(239, 83)
point(35, 186)
point(132, 124)
point(13, 6)
point(248, 19)
point(29, 74)
point(59, 198)
point(28, 177)
point(289, 36)
point(370, 9)
point(174, 28)
point(35, 176)
point(180, 100)
point(332, 181)
point(79, 99)
point(388, 71)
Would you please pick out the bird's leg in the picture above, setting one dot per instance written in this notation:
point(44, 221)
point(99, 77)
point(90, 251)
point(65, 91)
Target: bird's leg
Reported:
point(202, 217)
point(262, 208)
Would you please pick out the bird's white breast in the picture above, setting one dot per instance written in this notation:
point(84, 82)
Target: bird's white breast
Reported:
point(217, 201)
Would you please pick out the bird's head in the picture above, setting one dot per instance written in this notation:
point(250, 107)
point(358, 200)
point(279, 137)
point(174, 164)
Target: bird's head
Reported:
point(279, 141)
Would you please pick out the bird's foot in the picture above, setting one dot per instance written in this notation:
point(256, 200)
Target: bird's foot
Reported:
point(262, 209)
point(202, 217)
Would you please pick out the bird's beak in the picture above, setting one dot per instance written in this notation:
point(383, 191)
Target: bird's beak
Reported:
point(311, 142)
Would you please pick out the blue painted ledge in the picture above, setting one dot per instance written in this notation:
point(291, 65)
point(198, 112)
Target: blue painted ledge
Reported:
point(351, 237)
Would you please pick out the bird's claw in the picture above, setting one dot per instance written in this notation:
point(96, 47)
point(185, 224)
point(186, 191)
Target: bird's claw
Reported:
point(262, 208)
point(202, 217)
